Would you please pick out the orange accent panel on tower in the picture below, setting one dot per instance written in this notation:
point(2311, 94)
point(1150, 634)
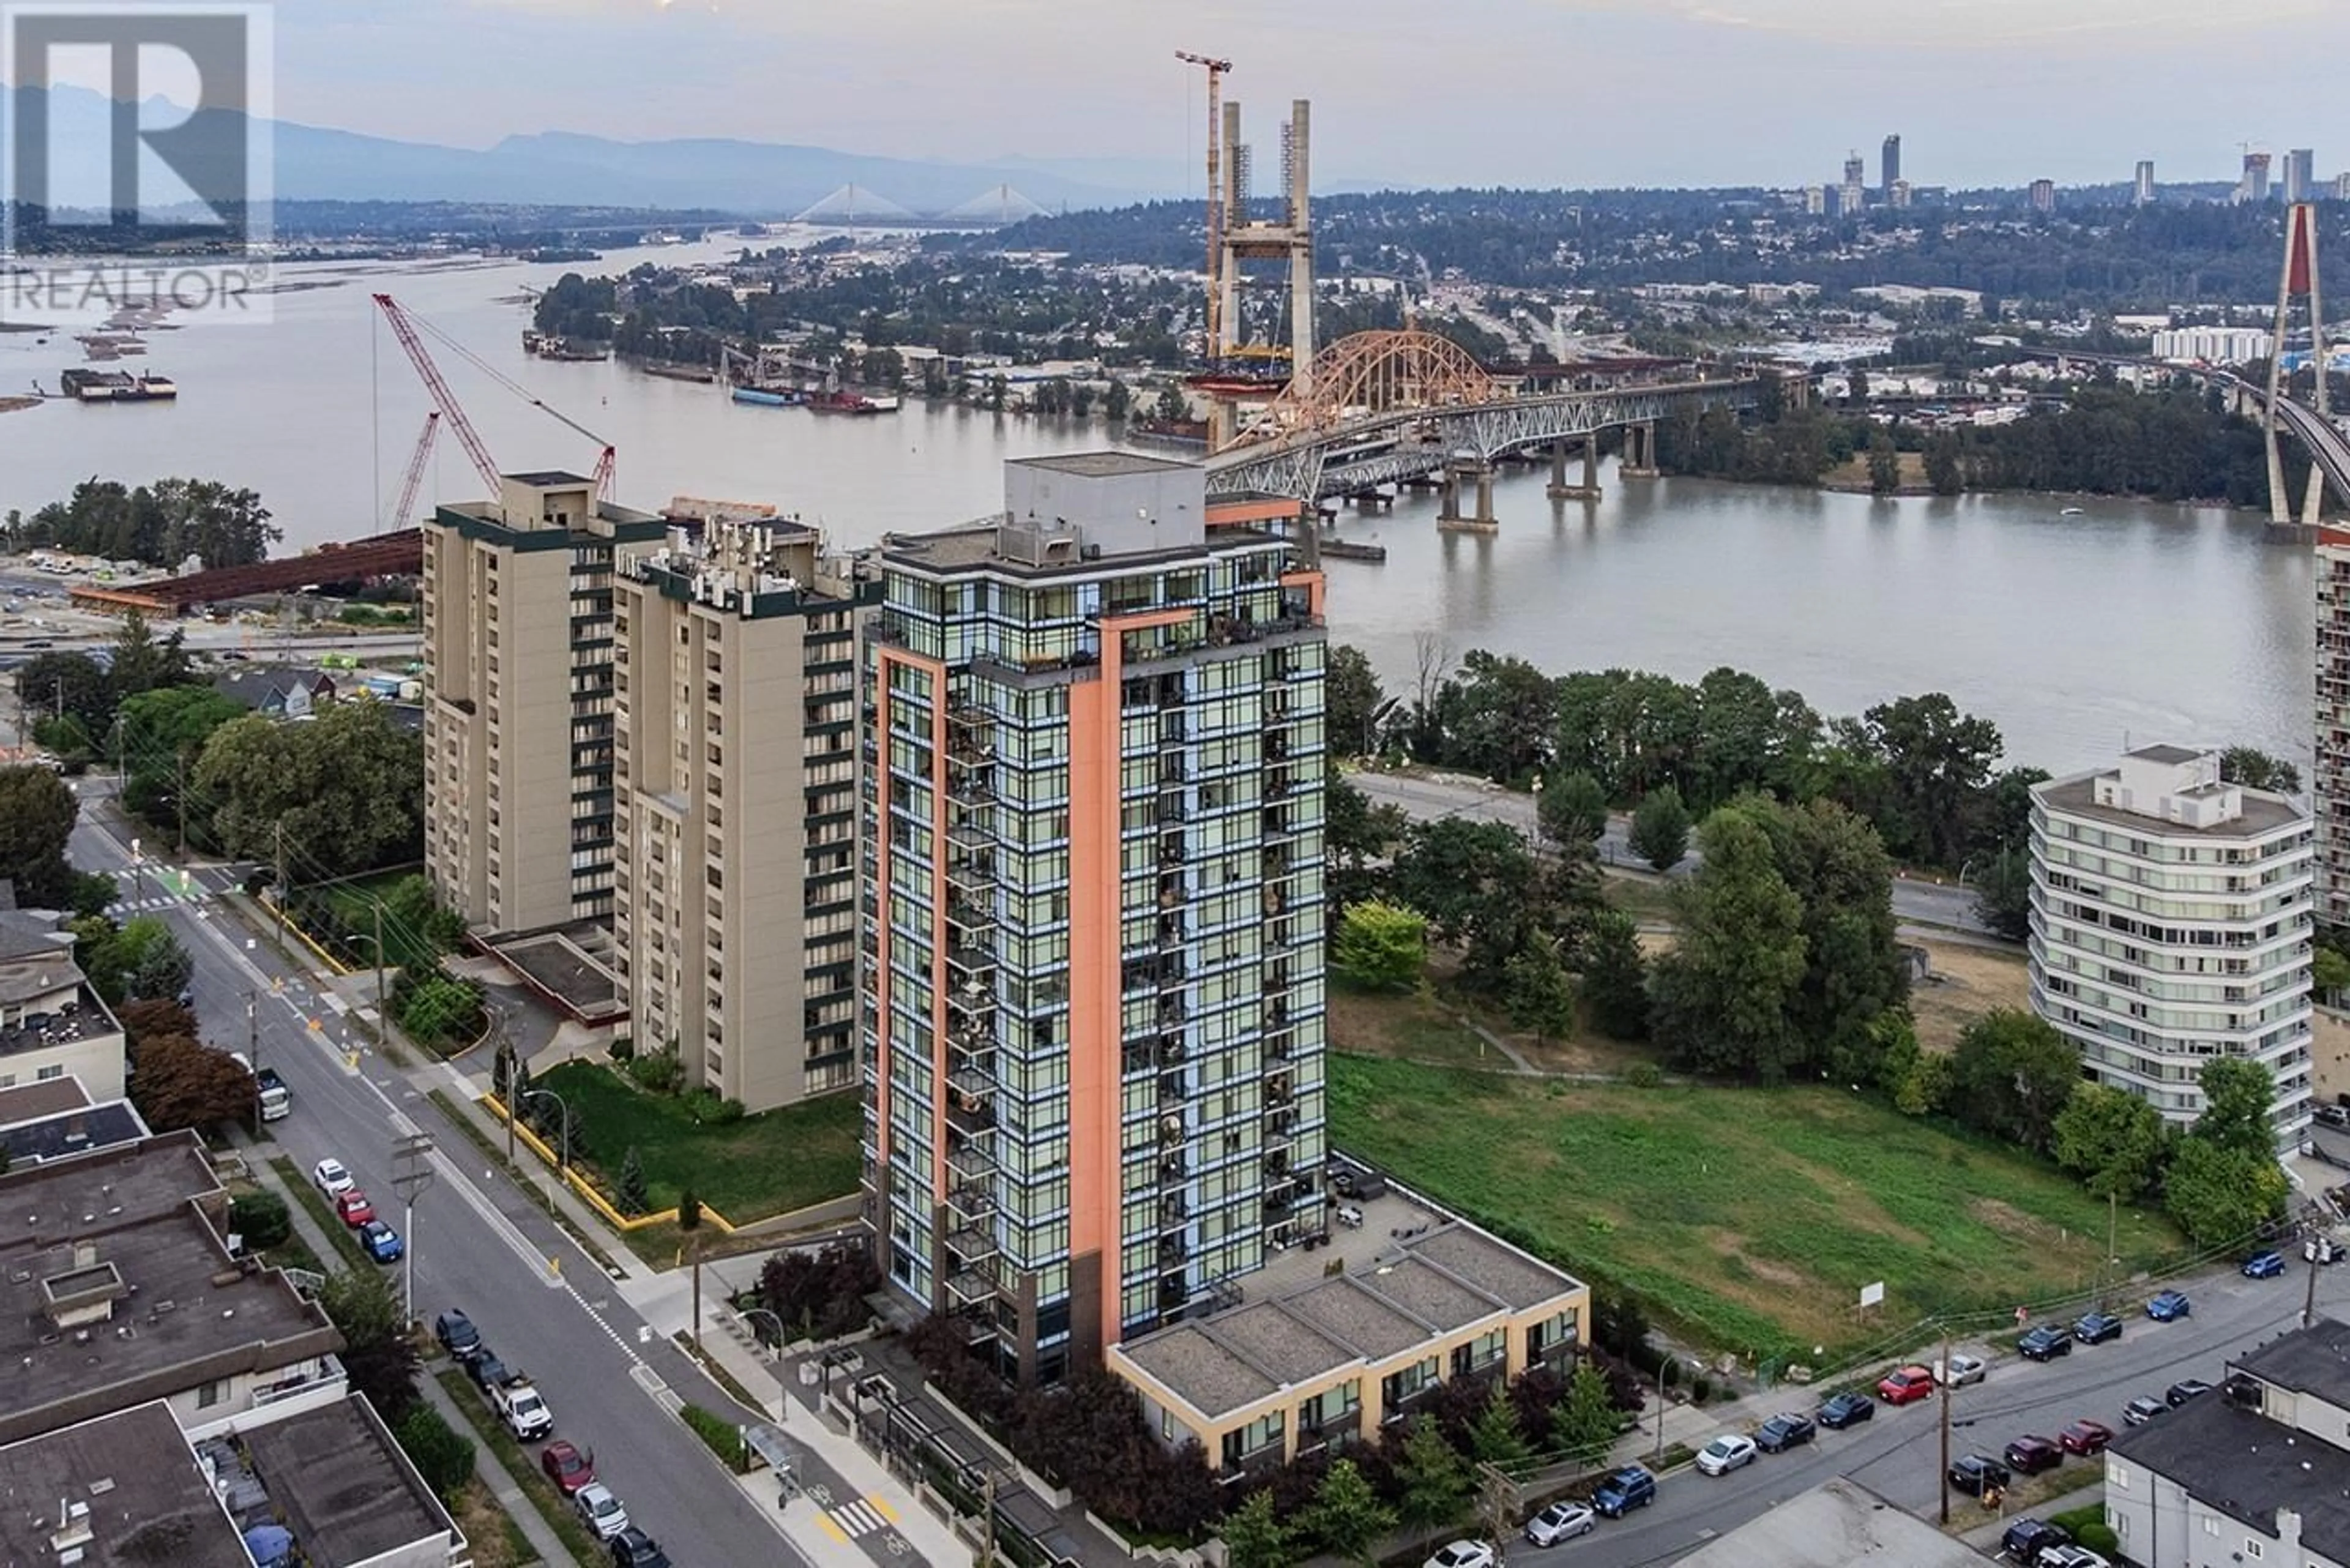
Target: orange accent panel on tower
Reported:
point(1312, 582)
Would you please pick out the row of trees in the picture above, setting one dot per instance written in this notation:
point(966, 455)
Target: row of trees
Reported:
point(162, 524)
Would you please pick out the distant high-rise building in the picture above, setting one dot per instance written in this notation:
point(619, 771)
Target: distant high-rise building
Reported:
point(2043, 195)
point(2143, 193)
point(2342, 187)
point(1889, 165)
point(2300, 174)
point(1853, 194)
point(1244, 178)
point(2254, 185)
point(1900, 193)
point(1816, 199)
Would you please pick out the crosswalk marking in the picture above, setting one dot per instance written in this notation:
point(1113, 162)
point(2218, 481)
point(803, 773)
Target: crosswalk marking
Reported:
point(861, 1517)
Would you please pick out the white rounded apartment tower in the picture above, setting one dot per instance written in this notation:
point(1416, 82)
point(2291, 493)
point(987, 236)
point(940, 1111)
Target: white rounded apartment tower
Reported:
point(2171, 923)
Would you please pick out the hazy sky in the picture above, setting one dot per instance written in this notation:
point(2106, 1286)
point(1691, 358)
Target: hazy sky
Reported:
point(1438, 92)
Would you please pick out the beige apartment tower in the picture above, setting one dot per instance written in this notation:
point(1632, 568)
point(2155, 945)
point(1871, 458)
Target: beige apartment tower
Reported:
point(735, 750)
point(518, 711)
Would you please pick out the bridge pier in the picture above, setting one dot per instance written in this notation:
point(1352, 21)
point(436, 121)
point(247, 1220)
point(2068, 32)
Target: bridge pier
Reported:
point(1639, 452)
point(1559, 489)
point(1480, 474)
point(1372, 501)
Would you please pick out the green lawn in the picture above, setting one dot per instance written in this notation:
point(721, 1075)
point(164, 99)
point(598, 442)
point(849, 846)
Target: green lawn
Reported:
point(355, 899)
point(1748, 1218)
point(760, 1165)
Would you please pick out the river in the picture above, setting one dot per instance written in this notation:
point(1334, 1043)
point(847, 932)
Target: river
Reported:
point(2127, 623)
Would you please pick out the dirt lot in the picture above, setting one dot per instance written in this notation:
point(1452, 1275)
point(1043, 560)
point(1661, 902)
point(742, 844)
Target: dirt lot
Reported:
point(1967, 982)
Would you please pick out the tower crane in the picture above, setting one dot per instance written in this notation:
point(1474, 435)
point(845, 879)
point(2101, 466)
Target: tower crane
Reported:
point(410, 330)
point(414, 478)
point(1215, 69)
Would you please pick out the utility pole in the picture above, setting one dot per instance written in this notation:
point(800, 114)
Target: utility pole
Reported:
point(411, 1174)
point(180, 796)
point(987, 1521)
point(382, 1018)
point(253, 1049)
point(1500, 1500)
point(280, 835)
point(1946, 1427)
point(1662, 1361)
point(2309, 1301)
point(506, 1087)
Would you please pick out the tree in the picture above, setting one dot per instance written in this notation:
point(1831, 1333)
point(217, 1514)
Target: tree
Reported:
point(1351, 697)
point(1660, 828)
point(2003, 894)
point(631, 1196)
point(1347, 1515)
point(261, 1219)
point(689, 1211)
point(1935, 761)
point(2255, 769)
point(155, 1015)
point(1497, 1437)
point(1615, 977)
point(2220, 1196)
point(1585, 1423)
point(2110, 1138)
point(163, 733)
point(2237, 1093)
point(1173, 408)
point(1572, 811)
point(151, 960)
point(1854, 970)
point(1380, 946)
point(1254, 1536)
point(441, 1010)
point(345, 789)
point(68, 686)
point(379, 1354)
point(176, 1084)
point(1721, 999)
point(820, 1295)
point(91, 894)
point(2010, 1076)
point(443, 1457)
point(1538, 991)
point(1884, 464)
point(2330, 969)
point(1117, 401)
point(1943, 475)
point(1436, 1482)
point(142, 662)
point(36, 817)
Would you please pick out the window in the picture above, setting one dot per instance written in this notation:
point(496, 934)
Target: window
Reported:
point(211, 1394)
point(54, 1070)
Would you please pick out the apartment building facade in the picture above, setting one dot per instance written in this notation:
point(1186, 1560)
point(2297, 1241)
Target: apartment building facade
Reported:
point(1093, 846)
point(735, 770)
point(2330, 773)
point(2172, 915)
point(518, 824)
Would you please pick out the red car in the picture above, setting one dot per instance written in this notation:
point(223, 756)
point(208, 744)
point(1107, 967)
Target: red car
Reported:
point(355, 1209)
point(2085, 1437)
point(567, 1466)
point(2030, 1455)
point(1906, 1386)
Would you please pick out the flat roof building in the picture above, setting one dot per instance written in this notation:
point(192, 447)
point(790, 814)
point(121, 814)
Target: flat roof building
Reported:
point(1095, 1017)
point(120, 1491)
point(518, 702)
point(2171, 923)
point(119, 1289)
point(335, 1481)
point(52, 1024)
point(735, 770)
point(54, 1117)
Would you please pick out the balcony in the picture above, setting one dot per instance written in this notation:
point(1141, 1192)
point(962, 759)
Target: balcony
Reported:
point(971, 788)
point(973, 1242)
point(970, 961)
point(969, 1203)
point(972, 1281)
point(971, 1160)
point(1174, 1170)
point(1172, 1090)
point(975, 1328)
point(974, 835)
point(971, 877)
point(970, 1114)
point(972, 1074)
point(971, 1009)
point(968, 920)
point(1171, 849)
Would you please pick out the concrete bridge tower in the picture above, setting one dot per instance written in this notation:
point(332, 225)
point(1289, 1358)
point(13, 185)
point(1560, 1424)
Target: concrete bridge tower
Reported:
point(2297, 280)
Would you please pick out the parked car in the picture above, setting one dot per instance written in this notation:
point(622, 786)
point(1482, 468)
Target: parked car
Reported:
point(1905, 1387)
point(1462, 1554)
point(1560, 1522)
point(1848, 1408)
point(381, 1242)
point(485, 1370)
point(2096, 1328)
point(567, 1466)
point(331, 1177)
point(2141, 1410)
point(2085, 1437)
point(2183, 1390)
point(2046, 1343)
point(600, 1511)
point(632, 1548)
point(1962, 1370)
point(2030, 1455)
point(457, 1335)
point(1725, 1454)
point(2263, 1265)
point(353, 1208)
point(2331, 1116)
point(1975, 1474)
point(2321, 1250)
point(1784, 1431)
point(1629, 1487)
point(2027, 1538)
point(2169, 1306)
point(2071, 1556)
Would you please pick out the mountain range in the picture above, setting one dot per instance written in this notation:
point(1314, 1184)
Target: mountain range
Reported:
point(757, 179)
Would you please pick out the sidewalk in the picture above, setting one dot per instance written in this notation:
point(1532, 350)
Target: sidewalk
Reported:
point(671, 1311)
point(534, 1528)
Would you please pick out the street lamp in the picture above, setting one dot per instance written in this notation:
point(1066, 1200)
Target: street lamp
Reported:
point(562, 1154)
point(770, 1317)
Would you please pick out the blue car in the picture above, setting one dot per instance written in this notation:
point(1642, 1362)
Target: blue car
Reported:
point(2263, 1265)
point(2169, 1306)
point(381, 1242)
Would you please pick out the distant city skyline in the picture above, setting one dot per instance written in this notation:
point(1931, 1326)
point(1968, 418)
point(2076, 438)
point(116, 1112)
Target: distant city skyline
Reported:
point(1760, 92)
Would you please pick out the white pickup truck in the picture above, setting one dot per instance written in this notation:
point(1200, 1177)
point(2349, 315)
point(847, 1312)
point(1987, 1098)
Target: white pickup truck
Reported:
point(521, 1408)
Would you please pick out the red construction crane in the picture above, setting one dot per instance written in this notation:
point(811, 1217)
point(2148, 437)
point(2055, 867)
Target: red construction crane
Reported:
point(414, 478)
point(410, 329)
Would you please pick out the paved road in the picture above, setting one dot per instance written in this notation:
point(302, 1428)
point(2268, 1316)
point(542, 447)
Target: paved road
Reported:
point(1898, 1454)
point(1425, 799)
point(477, 1243)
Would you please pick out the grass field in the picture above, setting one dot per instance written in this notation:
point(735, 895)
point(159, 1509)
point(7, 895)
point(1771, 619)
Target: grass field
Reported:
point(758, 1167)
point(354, 901)
point(1748, 1219)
